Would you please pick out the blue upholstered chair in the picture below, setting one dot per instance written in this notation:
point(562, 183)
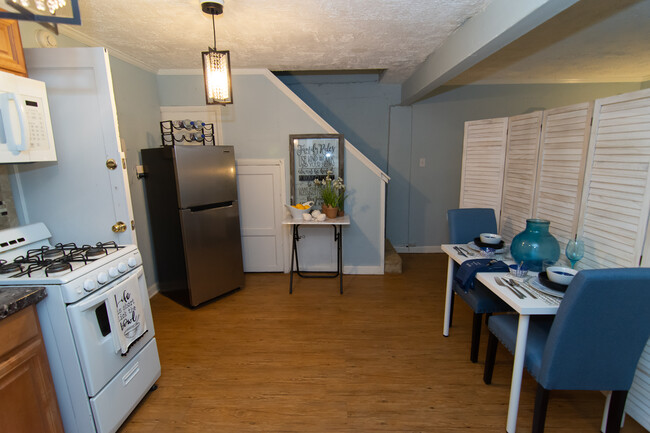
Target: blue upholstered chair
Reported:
point(593, 343)
point(464, 226)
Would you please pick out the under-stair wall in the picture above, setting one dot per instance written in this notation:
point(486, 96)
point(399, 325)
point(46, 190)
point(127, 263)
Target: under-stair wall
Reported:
point(265, 112)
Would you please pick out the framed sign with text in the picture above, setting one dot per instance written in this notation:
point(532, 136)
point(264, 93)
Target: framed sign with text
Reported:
point(311, 156)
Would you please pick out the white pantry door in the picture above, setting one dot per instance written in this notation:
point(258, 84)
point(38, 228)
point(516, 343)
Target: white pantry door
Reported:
point(261, 197)
point(77, 197)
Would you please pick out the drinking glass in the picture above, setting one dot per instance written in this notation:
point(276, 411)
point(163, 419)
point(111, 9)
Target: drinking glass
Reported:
point(575, 250)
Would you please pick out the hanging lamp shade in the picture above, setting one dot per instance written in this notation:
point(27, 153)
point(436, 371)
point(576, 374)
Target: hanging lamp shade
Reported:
point(216, 64)
point(217, 78)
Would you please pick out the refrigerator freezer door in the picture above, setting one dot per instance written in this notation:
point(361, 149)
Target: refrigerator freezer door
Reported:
point(205, 175)
point(213, 254)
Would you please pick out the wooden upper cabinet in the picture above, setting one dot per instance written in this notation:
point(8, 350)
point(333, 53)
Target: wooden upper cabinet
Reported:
point(12, 58)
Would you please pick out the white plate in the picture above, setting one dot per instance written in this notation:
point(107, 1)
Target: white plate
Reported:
point(542, 288)
point(475, 247)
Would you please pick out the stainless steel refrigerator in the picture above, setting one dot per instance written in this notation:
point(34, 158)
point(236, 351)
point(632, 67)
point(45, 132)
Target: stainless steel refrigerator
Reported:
point(194, 219)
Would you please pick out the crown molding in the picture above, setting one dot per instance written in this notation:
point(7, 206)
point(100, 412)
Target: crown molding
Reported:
point(91, 42)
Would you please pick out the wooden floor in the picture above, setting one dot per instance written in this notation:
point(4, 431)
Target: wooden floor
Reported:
point(371, 360)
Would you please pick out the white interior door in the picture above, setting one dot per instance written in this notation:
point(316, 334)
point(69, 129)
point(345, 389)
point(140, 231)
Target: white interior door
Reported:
point(78, 197)
point(261, 197)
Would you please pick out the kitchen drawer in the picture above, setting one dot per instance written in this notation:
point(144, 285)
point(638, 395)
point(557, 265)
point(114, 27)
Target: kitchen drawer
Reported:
point(17, 329)
point(113, 404)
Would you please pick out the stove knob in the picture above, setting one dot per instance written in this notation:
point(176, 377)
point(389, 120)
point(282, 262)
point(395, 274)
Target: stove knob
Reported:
point(113, 272)
point(122, 267)
point(102, 277)
point(132, 262)
point(89, 285)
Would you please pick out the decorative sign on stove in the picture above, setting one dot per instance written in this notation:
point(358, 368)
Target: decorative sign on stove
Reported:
point(125, 307)
point(311, 156)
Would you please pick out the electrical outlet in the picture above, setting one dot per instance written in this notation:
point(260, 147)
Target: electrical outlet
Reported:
point(422, 162)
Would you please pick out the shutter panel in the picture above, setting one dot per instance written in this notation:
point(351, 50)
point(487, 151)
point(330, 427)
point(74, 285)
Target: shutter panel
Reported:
point(484, 150)
point(561, 168)
point(616, 196)
point(637, 404)
point(520, 172)
point(616, 202)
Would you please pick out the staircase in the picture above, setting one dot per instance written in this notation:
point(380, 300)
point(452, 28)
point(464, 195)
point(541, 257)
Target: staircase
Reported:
point(392, 260)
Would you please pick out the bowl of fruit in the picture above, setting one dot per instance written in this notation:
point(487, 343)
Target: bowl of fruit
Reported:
point(298, 209)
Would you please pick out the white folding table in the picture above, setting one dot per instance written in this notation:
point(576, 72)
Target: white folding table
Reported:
point(337, 223)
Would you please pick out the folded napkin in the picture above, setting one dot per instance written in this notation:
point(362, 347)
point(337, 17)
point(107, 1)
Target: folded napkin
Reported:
point(467, 271)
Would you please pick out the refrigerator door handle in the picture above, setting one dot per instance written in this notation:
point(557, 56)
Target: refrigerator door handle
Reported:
point(211, 206)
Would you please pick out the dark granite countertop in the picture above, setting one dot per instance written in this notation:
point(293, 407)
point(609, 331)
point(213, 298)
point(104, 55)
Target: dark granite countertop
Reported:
point(15, 298)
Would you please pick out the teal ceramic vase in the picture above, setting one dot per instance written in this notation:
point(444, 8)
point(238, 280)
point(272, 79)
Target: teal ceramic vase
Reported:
point(535, 246)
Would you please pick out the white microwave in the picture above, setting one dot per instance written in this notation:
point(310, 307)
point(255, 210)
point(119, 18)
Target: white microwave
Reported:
point(25, 125)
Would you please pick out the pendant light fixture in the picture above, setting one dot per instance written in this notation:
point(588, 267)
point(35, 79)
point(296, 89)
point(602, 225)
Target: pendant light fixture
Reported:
point(216, 64)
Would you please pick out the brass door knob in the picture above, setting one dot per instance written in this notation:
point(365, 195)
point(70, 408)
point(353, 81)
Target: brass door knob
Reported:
point(111, 164)
point(119, 227)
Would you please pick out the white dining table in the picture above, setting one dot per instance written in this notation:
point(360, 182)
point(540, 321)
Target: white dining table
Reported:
point(525, 307)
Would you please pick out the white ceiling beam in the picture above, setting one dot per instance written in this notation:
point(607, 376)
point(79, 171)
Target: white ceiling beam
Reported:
point(500, 23)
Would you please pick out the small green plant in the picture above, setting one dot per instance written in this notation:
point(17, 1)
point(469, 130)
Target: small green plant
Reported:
point(332, 191)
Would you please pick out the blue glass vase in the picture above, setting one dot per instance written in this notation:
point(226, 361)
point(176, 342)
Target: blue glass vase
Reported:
point(535, 246)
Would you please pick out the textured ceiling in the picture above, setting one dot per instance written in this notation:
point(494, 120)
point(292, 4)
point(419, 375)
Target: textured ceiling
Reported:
point(592, 41)
point(283, 35)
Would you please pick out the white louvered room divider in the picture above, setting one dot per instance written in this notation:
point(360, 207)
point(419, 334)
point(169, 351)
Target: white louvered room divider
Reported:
point(561, 168)
point(520, 173)
point(484, 150)
point(638, 398)
point(593, 180)
point(616, 194)
point(616, 204)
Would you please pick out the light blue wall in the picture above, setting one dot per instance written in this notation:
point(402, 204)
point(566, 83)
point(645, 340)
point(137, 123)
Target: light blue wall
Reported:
point(437, 136)
point(356, 105)
point(399, 170)
point(181, 90)
point(259, 123)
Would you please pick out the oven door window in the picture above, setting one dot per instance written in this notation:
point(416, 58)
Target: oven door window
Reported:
point(101, 313)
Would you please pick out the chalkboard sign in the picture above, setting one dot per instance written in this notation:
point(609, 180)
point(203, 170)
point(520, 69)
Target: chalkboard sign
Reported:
point(312, 155)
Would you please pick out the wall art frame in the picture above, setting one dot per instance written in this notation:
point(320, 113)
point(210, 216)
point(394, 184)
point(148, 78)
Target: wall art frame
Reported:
point(311, 157)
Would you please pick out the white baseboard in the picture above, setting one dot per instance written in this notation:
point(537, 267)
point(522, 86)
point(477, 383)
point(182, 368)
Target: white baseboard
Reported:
point(152, 289)
point(352, 270)
point(363, 270)
point(422, 249)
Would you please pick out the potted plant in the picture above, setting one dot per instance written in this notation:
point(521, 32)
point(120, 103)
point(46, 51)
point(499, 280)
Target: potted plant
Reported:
point(332, 193)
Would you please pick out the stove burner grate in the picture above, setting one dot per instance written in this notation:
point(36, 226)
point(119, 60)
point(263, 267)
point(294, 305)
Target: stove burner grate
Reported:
point(56, 267)
point(8, 268)
point(101, 249)
point(56, 259)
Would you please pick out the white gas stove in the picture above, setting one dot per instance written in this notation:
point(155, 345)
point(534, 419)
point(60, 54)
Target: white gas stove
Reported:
point(96, 322)
point(27, 258)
